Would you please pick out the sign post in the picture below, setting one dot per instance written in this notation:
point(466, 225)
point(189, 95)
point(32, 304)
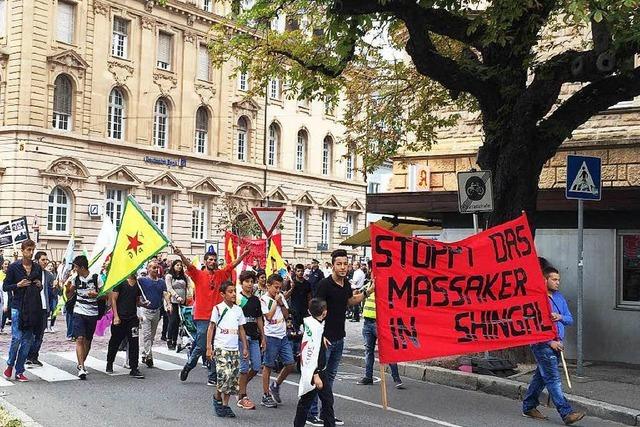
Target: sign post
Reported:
point(583, 183)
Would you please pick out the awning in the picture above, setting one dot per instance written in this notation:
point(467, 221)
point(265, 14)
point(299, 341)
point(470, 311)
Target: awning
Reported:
point(405, 227)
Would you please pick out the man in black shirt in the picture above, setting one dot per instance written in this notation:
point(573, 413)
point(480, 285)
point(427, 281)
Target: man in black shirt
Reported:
point(254, 329)
point(300, 295)
point(337, 292)
point(125, 298)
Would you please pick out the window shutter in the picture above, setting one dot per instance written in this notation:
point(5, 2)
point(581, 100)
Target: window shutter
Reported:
point(65, 22)
point(164, 48)
point(62, 95)
point(203, 63)
point(3, 18)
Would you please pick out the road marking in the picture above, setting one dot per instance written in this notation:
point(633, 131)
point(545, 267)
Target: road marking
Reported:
point(160, 364)
point(50, 373)
point(172, 353)
point(5, 383)
point(101, 365)
point(390, 409)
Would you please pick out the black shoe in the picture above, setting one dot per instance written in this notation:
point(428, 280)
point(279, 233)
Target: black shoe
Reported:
point(365, 381)
point(163, 338)
point(339, 422)
point(399, 385)
point(36, 362)
point(314, 421)
point(135, 373)
point(28, 362)
point(228, 413)
point(149, 362)
point(109, 369)
point(184, 373)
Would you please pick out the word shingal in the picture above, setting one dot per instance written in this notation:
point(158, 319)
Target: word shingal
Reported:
point(436, 299)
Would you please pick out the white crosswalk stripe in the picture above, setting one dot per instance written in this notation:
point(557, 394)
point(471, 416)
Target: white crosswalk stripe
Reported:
point(50, 373)
point(162, 365)
point(165, 351)
point(93, 363)
point(5, 383)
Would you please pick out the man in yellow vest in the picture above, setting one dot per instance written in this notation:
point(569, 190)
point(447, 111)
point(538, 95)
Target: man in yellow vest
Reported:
point(370, 335)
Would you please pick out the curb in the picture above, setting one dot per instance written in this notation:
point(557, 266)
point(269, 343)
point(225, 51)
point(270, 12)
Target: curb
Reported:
point(504, 387)
point(14, 412)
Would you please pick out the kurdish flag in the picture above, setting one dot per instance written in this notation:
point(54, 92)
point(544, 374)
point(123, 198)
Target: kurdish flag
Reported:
point(275, 263)
point(138, 239)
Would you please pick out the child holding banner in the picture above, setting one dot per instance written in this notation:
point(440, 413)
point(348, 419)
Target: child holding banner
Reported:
point(547, 354)
point(313, 379)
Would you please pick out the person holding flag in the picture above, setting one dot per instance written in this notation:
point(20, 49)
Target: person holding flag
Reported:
point(207, 284)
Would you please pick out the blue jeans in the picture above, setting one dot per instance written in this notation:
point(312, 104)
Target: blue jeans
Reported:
point(68, 317)
point(20, 343)
point(370, 335)
point(334, 356)
point(547, 375)
point(200, 348)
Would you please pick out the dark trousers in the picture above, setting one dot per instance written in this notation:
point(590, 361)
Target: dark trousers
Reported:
point(326, 397)
point(174, 323)
point(165, 321)
point(38, 336)
point(6, 315)
point(128, 329)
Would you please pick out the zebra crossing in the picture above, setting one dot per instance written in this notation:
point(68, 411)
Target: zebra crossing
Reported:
point(61, 366)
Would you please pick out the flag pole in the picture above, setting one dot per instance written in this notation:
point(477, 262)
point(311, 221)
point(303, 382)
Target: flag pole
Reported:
point(566, 371)
point(383, 387)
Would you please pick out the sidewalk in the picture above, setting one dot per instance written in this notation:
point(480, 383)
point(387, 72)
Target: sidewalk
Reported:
point(607, 391)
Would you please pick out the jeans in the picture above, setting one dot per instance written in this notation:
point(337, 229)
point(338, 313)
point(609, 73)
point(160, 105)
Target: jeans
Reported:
point(546, 375)
point(150, 320)
point(68, 317)
point(20, 343)
point(370, 335)
point(334, 356)
point(127, 329)
point(38, 336)
point(326, 396)
point(200, 349)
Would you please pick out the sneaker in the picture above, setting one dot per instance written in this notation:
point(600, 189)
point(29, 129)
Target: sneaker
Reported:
point(399, 385)
point(52, 330)
point(36, 362)
point(109, 369)
point(268, 401)
point(339, 422)
point(228, 413)
point(28, 362)
point(135, 373)
point(246, 403)
point(184, 373)
point(218, 408)
point(21, 378)
point(535, 414)
point(211, 383)
point(149, 362)
point(365, 381)
point(573, 418)
point(125, 365)
point(314, 421)
point(8, 372)
point(82, 374)
point(274, 389)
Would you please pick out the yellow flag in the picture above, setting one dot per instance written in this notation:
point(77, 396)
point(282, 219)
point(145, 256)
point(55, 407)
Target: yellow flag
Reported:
point(138, 239)
point(275, 263)
point(196, 261)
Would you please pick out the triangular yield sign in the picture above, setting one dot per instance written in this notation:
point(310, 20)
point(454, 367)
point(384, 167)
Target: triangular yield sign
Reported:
point(583, 182)
point(268, 218)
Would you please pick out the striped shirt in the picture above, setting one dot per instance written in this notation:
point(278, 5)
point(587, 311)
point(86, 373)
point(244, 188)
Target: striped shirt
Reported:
point(84, 304)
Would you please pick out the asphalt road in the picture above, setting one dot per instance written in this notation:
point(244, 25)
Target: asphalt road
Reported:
point(161, 399)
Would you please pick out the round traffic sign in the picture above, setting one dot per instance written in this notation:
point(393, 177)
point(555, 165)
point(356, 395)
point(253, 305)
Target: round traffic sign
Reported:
point(475, 188)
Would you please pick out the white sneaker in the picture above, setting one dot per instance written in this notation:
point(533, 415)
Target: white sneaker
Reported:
point(126, 365)
point(82, 373)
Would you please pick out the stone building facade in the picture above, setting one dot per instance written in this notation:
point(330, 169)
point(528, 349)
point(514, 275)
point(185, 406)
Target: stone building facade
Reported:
point(104, 99)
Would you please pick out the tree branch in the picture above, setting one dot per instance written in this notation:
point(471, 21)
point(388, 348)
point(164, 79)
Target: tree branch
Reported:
point(584, 104)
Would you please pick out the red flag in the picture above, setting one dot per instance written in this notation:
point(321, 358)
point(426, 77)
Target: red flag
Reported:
point(436, 299)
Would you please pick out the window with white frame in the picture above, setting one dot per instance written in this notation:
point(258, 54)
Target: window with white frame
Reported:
point(300, 226)
point(199, 220)
point(243, 81)
point(274, 89)
point(160, 210)
point(59, 211)
point(161, 124)
point(165, 43)
point(115, 114)
point(65, 22)
point(374, 187)
point(202, 130)
point(204, 63)
point(242, 140)
point(326, 228)
point(274, 142)
point(327, 146)
point(114, 204)
point(62, 102)
point(207, 5)
point(349, 172)
point(301, 150)
point(629, 269)
point(120, 39)
point(350, 221)
point(3, 18)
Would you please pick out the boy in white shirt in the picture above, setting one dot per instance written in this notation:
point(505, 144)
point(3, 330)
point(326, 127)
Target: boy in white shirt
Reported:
point(226, 325)
point(275, 312)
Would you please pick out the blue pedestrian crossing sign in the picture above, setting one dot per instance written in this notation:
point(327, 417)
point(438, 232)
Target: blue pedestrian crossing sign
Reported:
point(584, 175)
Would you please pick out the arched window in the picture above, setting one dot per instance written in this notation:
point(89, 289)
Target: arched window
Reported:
point(274, 142)
point(62, 101)
point(301, 150)
point(161, 124)
point(59, 211)
point(202, 130)
point(242, 141)
point(115, 119)
point(327, 146)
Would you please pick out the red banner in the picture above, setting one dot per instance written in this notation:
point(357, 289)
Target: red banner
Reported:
point(437, 299)
point(235, 245)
